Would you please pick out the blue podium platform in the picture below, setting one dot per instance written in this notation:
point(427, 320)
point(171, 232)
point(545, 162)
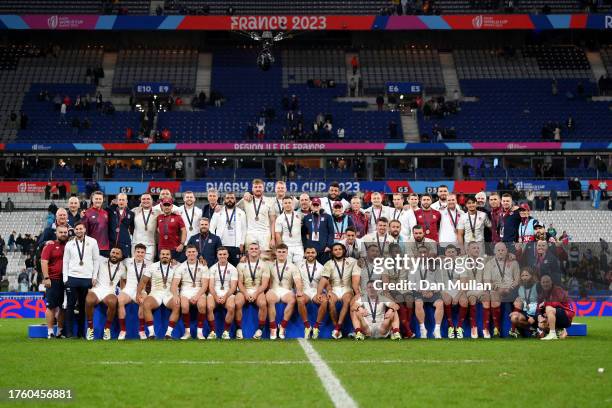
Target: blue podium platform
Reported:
point(295, 328)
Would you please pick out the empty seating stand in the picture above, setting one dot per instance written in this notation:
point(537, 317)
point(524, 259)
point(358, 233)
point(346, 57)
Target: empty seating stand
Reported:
point(299, 66)
point(399, 64)
point(176, 66)
point(278, 8)
point(71, 7)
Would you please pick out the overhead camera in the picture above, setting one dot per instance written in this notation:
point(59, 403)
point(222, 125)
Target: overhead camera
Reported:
point(265, 59)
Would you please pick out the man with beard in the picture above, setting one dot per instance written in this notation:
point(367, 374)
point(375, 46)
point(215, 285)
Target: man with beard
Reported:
point(192, 276)
point(160, 274)
point(441, 203)
point(341, 222)
point(451, 217)
point(425, 275)
point(51, 263)
point(165, 194)
point(206, 243)
point(380, 237)
point(395, 230)
point(474, 272)
point(230, 224)
point(400, 214)
point(428, 218)
point(171, 231)
point(374, 317)
point(145, 220)
point(418, 240)
point(49, 233)
point(509, 222)
point(471, 227)
point(453, 297)
point(304, 209)
point(110, 273)
point(343, 275)
point(191, 214)
point(333, 195)
point(495, 213)
point(310, 272)
point(260, 217)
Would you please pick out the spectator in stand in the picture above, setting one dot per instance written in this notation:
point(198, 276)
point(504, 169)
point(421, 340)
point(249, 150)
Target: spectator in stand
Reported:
point(12, 242)
point(23, 280)
point(3, 265)
point(355, 64)
point(166, 135)
point(9, 206)
point(352, 86)
point(380, 102)
point(2, 245)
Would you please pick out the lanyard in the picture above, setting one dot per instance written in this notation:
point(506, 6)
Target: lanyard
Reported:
point(373, 215)
point(229, 219)
point(395, 215)
point(373, 309)
point(257, 208)
point(381, 248)
point(253, 272)
point(502, 272)
point(164, 278)
point(121, 215)
point(204, 239)
point(280, 274)
point(138, 275)
point(146, 221)
point(194, 275)
point(112, 277)
point(222, 278)
point(473, 226)
point(315, 227)
point(290, 226)
point(190, 221)
point(81, 253)
point(453, 219)
point(314, 271)
point(340, 230)
point(340, 272)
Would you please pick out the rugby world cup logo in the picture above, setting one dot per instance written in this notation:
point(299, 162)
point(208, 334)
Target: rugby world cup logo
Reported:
point(477, 21)
point(52, 22)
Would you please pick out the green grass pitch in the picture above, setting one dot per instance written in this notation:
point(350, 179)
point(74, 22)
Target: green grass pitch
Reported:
point(376, 373)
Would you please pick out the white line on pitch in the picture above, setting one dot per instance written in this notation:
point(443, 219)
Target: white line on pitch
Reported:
point(331, 383)
point(285, 362)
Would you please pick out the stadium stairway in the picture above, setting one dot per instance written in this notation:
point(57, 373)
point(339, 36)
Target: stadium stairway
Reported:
point(449, 74)
point(295, 328)
point(596, 63)
point(204, 74)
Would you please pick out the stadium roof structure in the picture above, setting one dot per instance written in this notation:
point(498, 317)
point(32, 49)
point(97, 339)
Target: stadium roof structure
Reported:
point(536, 22)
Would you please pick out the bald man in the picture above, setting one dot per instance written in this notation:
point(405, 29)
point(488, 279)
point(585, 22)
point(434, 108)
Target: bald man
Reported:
point(48, 235)
point(121, 225)
point(74, 211)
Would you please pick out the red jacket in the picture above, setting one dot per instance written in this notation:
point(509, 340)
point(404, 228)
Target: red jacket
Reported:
point(557, 297)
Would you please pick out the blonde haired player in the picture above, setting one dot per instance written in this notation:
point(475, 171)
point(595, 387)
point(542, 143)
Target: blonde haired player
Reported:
point(373, 317)
point(253, 281)
point(260, 215)
point(192, 276)
point(222, 284)
point(160, 274)
point(289, 231)
point(284, 276)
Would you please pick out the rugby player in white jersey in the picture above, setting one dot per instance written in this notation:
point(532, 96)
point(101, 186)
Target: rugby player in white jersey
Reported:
point(260, 215)
point(105, 280)
point(284, 277)
point(310, 271)
point(344, 276)
point(377, 211)
point(190, 214)
point(289, 231)
point(253, 281)
point(223, 281)
point(160, 274)
point(135, 267)
point(374, 316)
point(145, 224)
point(192, 276)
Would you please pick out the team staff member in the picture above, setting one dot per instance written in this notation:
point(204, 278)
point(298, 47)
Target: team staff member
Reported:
point(49, 233)
point(318, 231)
point(74, 211)
point(341, 222)
point(360, 220)
point(209, 209)
point(191, 214)
point(428, 218)
point(171, 231)
point(95, 221)
point(206, 243)
point(230, 224)
point(555, 310)
point(121, 225)
point(509, 221)
point(145, 222)
point(51, 263)
point(79, 265)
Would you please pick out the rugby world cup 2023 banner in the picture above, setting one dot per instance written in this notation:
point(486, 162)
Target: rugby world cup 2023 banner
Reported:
point(30, 305)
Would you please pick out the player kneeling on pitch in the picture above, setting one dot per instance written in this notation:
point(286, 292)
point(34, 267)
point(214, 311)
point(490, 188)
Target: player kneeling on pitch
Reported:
point(375, 318)
point(310, 272)
point(105, 280)
point(192, 276)
point(135, 268)
point(223, 280)
point(284, 276)
point(555, 310)
point(253, 280)
point(160, 274)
